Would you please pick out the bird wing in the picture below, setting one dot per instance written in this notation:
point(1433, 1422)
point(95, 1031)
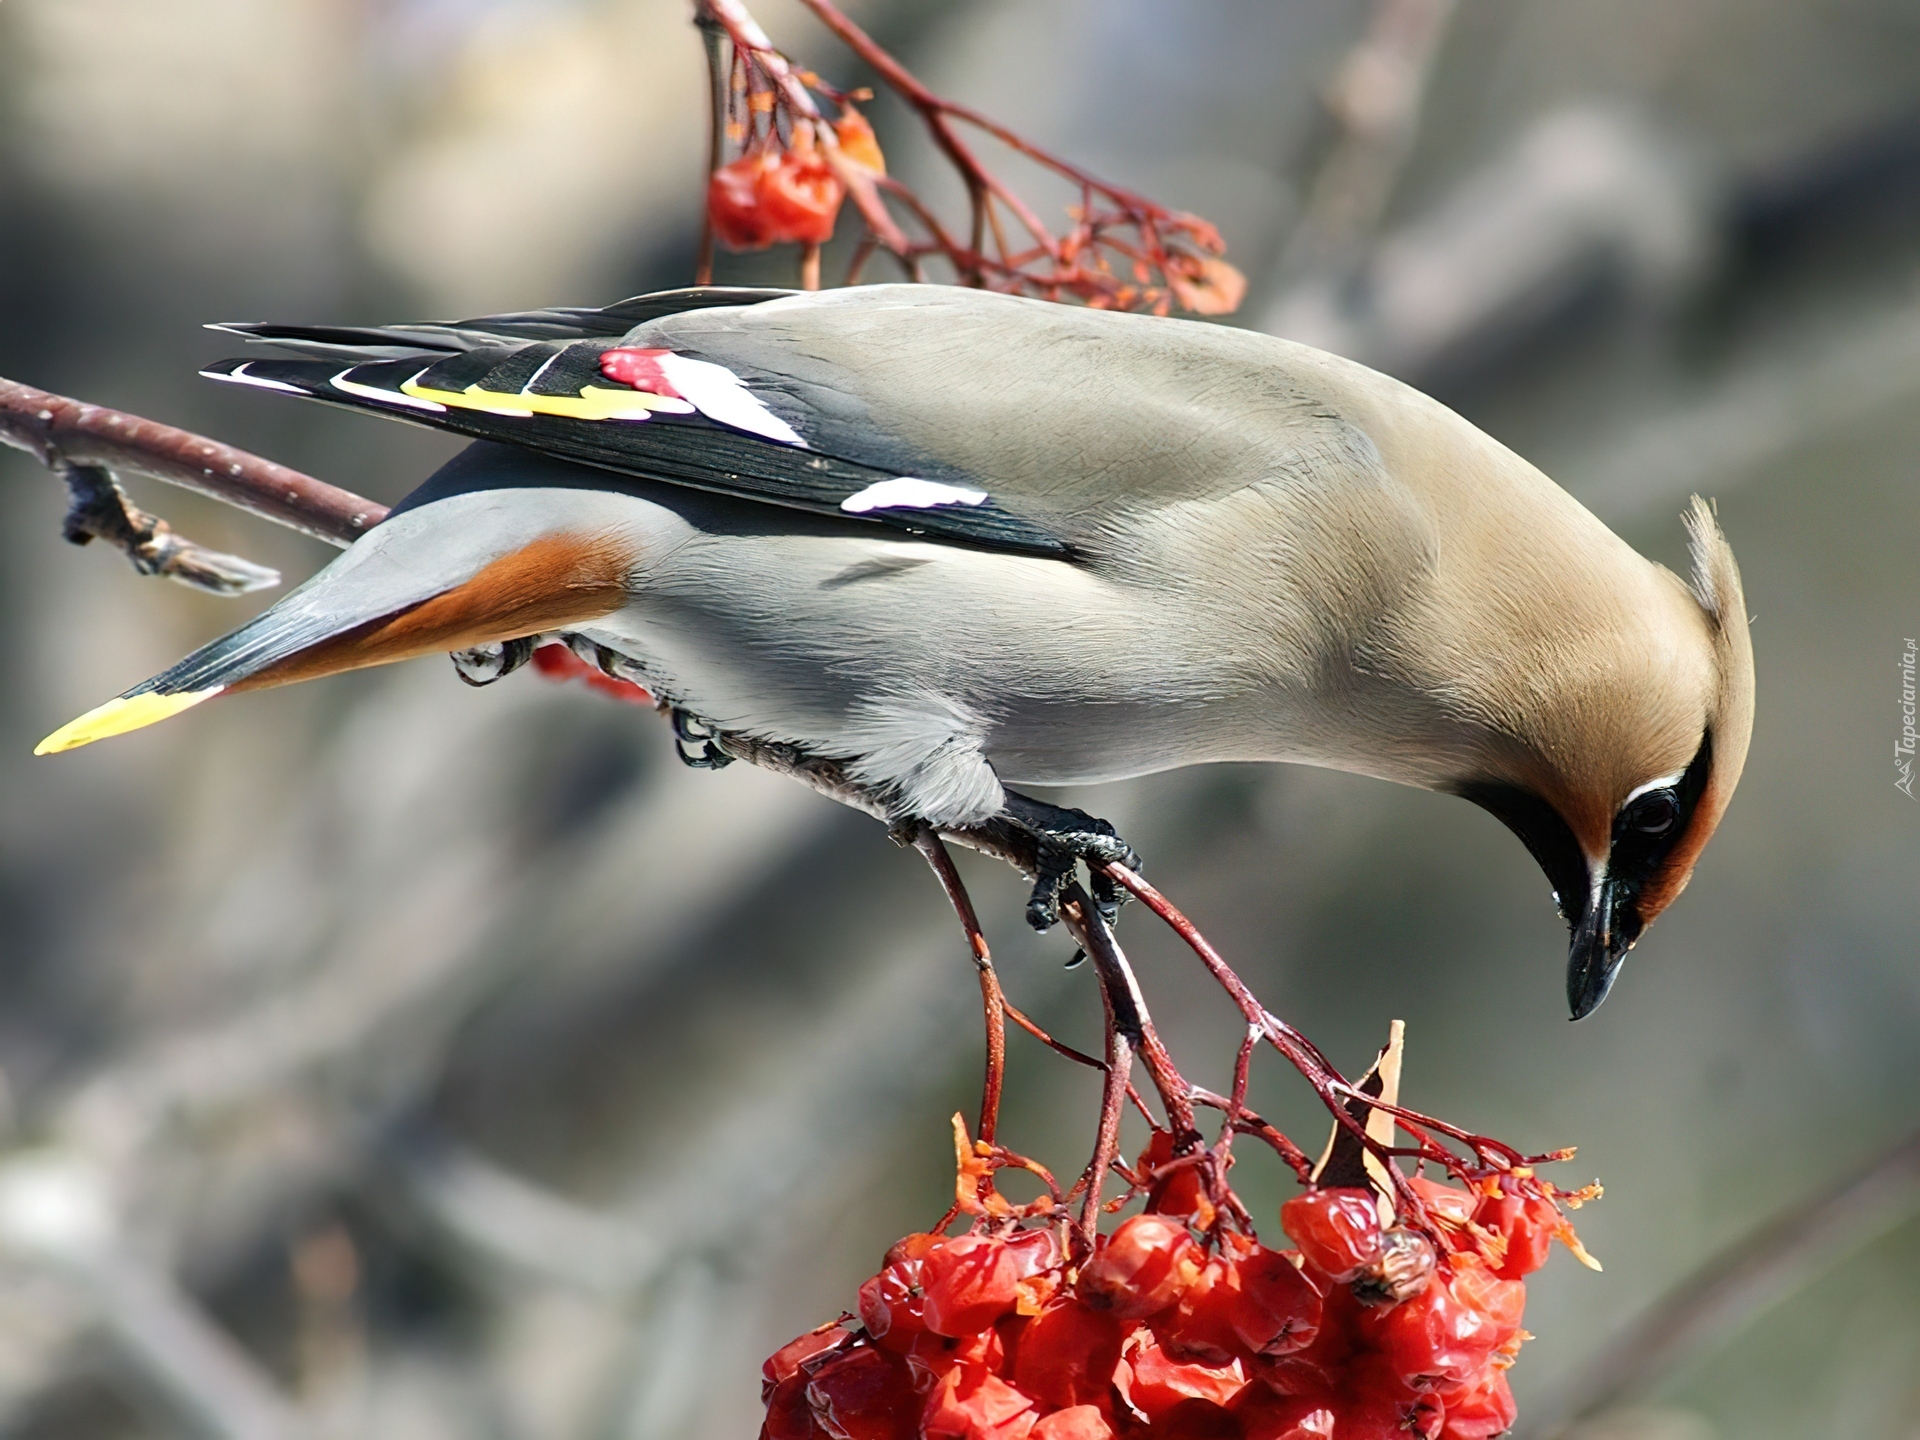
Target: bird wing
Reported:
point(962, 416)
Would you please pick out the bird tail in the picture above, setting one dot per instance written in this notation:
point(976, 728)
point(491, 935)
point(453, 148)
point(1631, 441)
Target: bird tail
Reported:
point(451, 575)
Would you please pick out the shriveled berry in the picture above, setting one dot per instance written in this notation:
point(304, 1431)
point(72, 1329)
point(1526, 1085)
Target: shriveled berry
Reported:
point(1406, 1263)
point(1200, 1324)
point(1153, 1382)
point(1067, 1354)
point(971, 1281)
point(892, 1306)
point(1479, 1410)
point(789, 1417)
point(1448, 1333)
point(1076, 1422)
point(931, 1356)
point(794, 1356)
point(1337, 1229)
point(970, 1404)
point(1277, 1310)
point(1141, 1269)
point(864, 1394)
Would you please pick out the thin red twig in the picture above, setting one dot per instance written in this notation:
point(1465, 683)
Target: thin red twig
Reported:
point(992, 1000)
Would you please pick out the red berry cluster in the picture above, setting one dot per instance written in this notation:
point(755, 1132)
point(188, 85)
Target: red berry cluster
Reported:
point(1183, 1329)
point(776, 194)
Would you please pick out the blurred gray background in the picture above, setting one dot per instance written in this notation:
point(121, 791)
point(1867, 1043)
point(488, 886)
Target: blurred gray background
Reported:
point(386, 1058)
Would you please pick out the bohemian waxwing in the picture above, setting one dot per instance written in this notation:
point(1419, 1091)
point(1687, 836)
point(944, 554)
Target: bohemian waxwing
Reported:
point(952, 539)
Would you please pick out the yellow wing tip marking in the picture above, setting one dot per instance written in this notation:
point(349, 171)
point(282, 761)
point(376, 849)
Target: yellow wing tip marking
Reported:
point(594, 402)
point(117, 717)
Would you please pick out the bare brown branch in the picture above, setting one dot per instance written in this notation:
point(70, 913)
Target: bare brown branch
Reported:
point(60, 432)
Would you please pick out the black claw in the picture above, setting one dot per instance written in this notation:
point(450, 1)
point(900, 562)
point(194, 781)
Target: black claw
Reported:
point(694, 743)
point(1057, 864)
point(1066, 838)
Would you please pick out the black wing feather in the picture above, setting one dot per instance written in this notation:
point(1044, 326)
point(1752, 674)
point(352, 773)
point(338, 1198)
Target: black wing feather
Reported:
point(676, 449)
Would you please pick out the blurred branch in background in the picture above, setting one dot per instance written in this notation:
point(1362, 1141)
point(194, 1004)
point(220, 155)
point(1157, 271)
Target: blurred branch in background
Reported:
point(1375, 96)
point(1734, 1288)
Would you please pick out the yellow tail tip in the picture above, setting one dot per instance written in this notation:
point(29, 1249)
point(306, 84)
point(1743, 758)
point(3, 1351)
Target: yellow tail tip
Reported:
point(117, 717)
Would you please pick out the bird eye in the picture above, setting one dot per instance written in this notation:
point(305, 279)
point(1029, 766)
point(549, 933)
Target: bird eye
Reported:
point(1654, 814)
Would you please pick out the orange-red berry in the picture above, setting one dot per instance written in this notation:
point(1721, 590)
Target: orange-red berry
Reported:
point(971, 1404)
point(1067, 1354)
point(1141, 1268)
point(1338, 1230)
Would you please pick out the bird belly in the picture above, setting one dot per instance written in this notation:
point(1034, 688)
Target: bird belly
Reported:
point(936, 672)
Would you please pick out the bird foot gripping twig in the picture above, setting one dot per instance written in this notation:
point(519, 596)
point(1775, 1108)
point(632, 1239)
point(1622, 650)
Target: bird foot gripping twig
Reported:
point(1064, 838)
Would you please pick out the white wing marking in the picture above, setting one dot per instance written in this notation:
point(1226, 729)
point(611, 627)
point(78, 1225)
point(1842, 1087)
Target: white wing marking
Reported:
point(720, 395)
point(390, 397)
point(908, 492)
point(239, 376)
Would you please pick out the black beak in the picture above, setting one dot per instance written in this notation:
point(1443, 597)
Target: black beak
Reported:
point(1601, 940)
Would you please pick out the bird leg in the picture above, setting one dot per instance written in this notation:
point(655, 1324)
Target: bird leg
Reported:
point(1063, 838)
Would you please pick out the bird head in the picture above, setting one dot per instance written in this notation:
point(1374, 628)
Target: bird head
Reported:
point(439, 574)
point(1620, 771)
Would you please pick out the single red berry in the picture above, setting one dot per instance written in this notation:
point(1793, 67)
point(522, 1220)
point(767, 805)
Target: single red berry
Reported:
point(864, 1394)
point(1152, 1382)
point(1264, 1415)
point(1316, 1371)
point(1142, 1267)
point(1199, 1326)
point(1076, 1422)
point(1067, 1354)
point(892, 1307)
point(1527, 1223)
point(1277, 1309)
point(739, 220)
point(972, 1280)
point(1338, 1230)
point(970, 1404)
point(794, 1356)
